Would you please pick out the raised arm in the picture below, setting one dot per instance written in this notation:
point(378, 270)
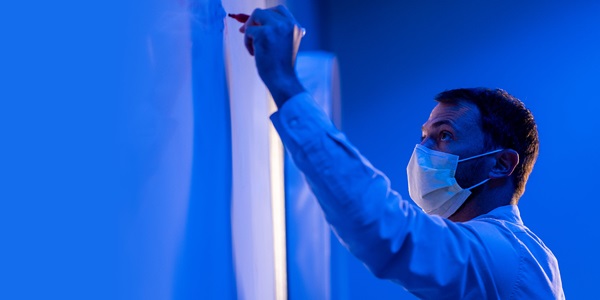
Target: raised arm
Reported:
point(430, 256)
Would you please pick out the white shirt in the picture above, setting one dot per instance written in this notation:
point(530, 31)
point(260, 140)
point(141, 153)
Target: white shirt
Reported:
point(493, 256)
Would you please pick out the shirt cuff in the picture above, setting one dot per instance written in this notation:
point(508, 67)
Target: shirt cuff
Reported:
point(300, 121)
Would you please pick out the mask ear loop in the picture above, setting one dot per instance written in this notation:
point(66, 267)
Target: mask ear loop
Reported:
point(480, 155)
point(477, 156)
point(484, 181)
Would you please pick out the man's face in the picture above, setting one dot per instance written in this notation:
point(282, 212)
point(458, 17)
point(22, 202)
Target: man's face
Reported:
point(456, 129)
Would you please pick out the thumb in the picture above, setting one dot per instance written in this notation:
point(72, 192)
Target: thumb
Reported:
point(250, 33)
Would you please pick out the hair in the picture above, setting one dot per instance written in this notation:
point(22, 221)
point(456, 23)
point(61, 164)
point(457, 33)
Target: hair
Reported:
point(506, 123)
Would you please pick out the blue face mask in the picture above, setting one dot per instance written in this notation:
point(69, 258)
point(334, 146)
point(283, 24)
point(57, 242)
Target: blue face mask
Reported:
point(431, 182)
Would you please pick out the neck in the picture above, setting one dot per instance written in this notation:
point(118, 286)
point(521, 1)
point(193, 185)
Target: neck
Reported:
point(487, 199)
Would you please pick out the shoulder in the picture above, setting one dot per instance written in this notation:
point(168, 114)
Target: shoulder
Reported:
point(501, 248)
point(518, 256)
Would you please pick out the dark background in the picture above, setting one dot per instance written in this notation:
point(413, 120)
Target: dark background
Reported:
point(395, 56)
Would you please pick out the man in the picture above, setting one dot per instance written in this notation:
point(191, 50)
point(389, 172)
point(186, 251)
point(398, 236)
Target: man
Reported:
point(467, 240)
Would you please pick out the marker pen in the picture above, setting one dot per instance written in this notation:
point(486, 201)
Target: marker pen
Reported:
point(242, 18)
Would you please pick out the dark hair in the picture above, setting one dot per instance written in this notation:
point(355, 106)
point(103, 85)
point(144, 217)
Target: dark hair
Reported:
point(506, 123)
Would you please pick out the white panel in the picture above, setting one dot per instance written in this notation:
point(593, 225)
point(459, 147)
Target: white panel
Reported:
point(253, 192)
point(309, 235)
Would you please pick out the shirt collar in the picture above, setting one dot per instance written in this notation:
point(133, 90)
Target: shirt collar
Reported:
point(508, 213)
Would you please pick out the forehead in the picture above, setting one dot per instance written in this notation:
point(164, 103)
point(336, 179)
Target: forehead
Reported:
point(461, 114)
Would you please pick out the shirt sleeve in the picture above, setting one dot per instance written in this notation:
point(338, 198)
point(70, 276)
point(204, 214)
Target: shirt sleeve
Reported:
point(430, 256)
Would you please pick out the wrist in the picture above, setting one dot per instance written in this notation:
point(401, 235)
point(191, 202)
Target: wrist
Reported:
point(283, 90)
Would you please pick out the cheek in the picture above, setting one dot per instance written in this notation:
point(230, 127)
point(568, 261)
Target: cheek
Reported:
point(429, 144)
point(469, 174)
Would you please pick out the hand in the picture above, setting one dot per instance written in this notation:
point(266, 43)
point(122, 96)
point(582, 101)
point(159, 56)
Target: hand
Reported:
point(273, 37)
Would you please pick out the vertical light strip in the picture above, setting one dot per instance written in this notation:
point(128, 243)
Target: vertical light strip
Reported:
point(278, 209)
point(276, 152)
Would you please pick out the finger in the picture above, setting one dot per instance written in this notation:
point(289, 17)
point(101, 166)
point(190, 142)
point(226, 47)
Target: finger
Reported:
point(261, 17)
point(249, 39)
point(249, 43)
point(281, 9)
point(252, 20)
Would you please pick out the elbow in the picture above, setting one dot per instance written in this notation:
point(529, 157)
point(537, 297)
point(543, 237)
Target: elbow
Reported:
point(382, 270)
point(382, 266)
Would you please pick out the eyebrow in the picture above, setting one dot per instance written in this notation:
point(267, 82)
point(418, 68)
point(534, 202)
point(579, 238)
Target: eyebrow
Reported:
point(440, 123)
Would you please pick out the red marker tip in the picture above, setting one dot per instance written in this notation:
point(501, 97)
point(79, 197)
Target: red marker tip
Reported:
point(242, 18)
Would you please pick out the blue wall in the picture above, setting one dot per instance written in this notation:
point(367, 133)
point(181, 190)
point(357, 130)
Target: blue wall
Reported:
point(396, 55)
point(73, 222)
point(60, 181)
point(115, 152)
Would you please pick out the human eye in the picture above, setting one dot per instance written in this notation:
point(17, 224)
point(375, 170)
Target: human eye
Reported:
point(445, 136)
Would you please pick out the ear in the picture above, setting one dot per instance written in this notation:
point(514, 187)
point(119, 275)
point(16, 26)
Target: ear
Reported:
point(506, 162)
